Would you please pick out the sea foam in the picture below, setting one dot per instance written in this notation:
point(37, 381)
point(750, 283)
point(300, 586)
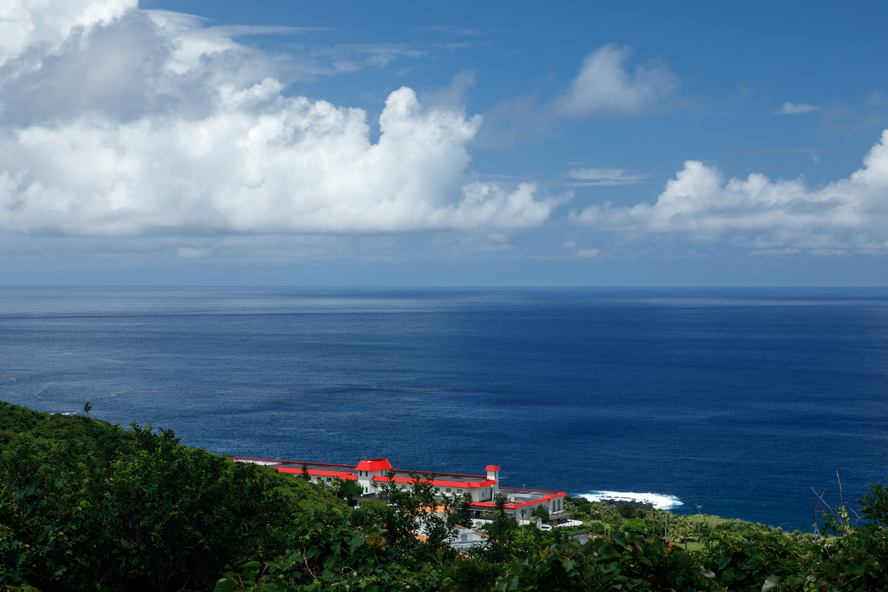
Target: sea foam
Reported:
point(658, 500)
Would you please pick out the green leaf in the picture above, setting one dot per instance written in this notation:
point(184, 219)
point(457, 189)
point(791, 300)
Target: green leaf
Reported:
point(771, 583)
point(356, 542)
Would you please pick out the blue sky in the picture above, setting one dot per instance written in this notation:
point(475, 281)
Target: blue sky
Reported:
point(404, 143)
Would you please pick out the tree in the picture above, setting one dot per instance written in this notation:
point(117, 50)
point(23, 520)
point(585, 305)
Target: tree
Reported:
point(414, 511)
point(500, 529)
point(626, 511)
point(370, 517)
point(462, 512)
point(541, 513)
point(347, 489)
point(133, 510)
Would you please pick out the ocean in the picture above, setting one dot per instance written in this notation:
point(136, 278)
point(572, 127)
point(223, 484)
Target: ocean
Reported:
point(742, 401)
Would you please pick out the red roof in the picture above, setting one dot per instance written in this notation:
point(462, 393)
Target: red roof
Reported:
point(441, 482)
point(347, 472)
point(374, 464)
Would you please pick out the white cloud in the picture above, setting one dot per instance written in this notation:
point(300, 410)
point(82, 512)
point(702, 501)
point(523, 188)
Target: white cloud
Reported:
point(48, 23)
point(609, 176)
point(587, 253)
point(796, 108)
point(348, 57)
point(759, 213)
point(190, 252)
point(450, 30)
point(454, 94)
point(603, 85)
point(138, 123)
point(194, 40)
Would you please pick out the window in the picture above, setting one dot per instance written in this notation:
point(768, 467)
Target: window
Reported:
point(448, 490)
point(459, 491)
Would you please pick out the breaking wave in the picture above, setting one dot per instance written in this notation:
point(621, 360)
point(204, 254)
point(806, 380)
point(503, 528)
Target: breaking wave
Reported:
point(658, 500)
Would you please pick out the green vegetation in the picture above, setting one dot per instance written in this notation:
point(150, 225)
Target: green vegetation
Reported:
point(88, 505)
point(85, 505)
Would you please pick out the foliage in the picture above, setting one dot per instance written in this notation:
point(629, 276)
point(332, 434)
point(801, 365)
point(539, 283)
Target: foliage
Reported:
point(745, 563)
point(86, 505)
point(346, 489)
point(415, 511)
point(626, 511)
point(461, 513)
point(327, 555)
point(370, 516)
point(72, 429)
point(95, 506)
point(542, 513)
point(854, 558)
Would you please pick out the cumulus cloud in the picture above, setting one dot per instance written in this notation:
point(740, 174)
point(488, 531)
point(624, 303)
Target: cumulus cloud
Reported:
point(796, 108)
point(603, 85)
point(48, 23)
point(763, 214)
point(116, 121)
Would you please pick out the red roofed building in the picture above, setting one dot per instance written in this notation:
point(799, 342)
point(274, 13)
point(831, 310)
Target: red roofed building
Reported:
point(371, 473)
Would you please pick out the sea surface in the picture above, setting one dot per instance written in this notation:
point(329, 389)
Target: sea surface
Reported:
point(742, 401)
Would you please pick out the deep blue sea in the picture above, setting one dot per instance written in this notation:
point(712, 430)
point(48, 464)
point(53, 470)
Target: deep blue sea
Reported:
point(738, 400)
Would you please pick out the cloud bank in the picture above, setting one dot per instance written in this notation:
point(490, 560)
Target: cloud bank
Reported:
point(758, 213)
point(116, 121)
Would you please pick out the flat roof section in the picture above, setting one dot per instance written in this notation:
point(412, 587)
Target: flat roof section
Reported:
point(467, 481)
point(292, 466)
point(270, 462)
point(454, 477)
point(517, 498)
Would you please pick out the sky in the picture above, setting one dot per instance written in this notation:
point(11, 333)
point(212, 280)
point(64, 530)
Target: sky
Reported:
point(394, 143)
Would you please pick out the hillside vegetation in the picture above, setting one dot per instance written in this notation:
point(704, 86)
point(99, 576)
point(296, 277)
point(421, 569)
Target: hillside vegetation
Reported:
point(85, 505)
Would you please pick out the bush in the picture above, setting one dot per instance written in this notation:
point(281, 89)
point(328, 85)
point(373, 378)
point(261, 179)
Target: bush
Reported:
point(112, 509)
point(626, 511)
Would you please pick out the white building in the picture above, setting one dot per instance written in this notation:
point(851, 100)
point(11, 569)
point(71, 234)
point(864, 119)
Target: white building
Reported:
point(371, 473)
